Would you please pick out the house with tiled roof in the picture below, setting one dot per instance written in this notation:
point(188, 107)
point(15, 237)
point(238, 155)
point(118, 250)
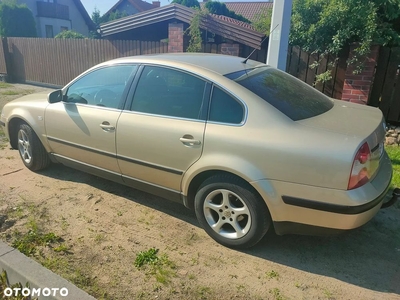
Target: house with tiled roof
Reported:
point(153, 25)
point(131, 7)
point(249, 10)
point(52, 17)
point(171, 22)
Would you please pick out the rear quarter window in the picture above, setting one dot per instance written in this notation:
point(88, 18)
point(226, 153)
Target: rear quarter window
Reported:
point(292, 97)
point(224, 108)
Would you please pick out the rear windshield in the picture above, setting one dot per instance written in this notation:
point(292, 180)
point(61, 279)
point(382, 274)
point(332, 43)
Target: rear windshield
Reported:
point(294, 98)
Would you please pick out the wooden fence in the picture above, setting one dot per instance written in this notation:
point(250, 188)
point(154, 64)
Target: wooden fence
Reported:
point(57, 61)
point(3, 66)
point(385, 92)
point(298, 63)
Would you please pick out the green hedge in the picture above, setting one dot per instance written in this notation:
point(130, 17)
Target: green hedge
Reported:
point(16, 21)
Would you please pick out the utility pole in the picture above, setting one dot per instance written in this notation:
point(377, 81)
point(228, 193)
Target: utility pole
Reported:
point(279, 38)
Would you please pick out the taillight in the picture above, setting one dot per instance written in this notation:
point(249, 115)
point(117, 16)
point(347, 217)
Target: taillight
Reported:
point(361, 170)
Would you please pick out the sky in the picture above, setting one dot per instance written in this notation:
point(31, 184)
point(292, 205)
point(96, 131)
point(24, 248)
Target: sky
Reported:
point(105, 5)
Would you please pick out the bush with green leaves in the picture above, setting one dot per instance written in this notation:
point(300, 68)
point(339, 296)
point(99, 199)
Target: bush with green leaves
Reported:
point(220, 8)
point(188, 3)
point(69, 34)
point(16, 20)
point(262, 21)
point(331, 26)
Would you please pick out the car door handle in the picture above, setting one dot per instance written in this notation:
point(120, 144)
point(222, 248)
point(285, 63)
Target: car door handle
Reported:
point(106, 126)
point(188, 140)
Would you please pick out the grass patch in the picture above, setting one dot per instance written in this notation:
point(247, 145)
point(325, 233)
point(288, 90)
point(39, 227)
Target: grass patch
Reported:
point(159, 266)
point(148, 257)
point(277, 294)
point(394, 154)
point(272, 274)
point(27, 243)
point(10, 93)
point(5, 284)
point(4, 85)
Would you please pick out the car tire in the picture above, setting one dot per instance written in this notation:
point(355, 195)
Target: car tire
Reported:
point(31, 150)
point(231, 212)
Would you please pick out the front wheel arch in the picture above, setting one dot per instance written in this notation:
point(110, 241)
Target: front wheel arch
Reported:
point(13, 127)
point(32, 152)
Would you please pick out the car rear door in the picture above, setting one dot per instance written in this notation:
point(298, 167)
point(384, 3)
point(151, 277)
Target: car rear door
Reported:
point(81, 130)
point(161, 133)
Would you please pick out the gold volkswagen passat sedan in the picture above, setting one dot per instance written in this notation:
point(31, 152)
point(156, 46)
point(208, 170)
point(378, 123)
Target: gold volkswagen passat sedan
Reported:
point(247, 146)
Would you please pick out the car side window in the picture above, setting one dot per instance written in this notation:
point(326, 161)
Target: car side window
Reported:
point(168, 92)
point(102, 87)
point(224, 108)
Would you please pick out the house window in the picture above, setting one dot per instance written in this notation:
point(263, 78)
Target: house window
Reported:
point(63, 28)
point(49, 31)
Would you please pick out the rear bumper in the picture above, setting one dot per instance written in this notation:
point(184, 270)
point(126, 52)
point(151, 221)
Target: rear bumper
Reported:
point(335, 208)
point(304, 209)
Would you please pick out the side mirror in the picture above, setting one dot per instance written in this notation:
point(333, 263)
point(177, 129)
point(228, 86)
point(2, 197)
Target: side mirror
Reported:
point(55, 96)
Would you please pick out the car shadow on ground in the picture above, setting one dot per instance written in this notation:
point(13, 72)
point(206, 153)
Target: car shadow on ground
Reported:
point(171, 208)
point(367, 257)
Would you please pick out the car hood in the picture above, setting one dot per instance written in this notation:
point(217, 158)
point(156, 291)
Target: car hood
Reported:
point(37, 101)
point(350, 119)
point(37, 97)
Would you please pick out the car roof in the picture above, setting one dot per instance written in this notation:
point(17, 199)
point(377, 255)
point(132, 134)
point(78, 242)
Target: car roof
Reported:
point(218, 63)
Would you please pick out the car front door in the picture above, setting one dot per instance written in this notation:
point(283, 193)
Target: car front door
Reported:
point(160, 135)
point(81, 130)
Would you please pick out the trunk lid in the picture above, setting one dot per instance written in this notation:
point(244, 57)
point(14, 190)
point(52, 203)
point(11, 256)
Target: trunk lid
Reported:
point(359, 122)
point(353, 120)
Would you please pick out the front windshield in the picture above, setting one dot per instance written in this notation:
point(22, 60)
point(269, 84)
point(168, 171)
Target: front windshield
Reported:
point(292, 97)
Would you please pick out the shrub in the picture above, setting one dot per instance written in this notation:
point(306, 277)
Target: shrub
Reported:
point(69, 34)
point(16, 21)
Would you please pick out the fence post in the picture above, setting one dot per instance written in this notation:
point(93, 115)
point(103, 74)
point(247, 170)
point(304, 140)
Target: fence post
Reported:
point(357, 87)
point(6, 55)
point(175, 37)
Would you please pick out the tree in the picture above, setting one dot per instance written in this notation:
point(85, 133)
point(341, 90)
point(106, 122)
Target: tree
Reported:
point(96, 17)
point(188, 3)
point(262, 21)
point(69, 34)
point(16, 20)
point(329, 26)
point(219, 8)
point(194, 31)
point(114, 15)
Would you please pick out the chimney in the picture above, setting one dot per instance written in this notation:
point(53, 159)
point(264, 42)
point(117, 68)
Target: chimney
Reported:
point(156, 3)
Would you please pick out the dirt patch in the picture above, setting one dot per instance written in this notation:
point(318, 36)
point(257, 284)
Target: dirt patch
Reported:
point(104, 227)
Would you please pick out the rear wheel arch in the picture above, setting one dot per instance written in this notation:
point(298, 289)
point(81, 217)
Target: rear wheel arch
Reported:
point(197, 181)
point(231, 211)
